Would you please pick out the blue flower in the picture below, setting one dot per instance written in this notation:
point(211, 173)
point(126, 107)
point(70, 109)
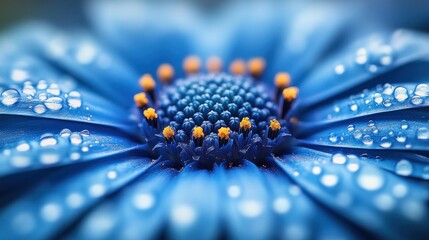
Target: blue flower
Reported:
point(319, 136)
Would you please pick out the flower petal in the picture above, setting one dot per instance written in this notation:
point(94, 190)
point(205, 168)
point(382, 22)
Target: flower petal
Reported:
point(31, 87)
point(61, 197)
point(82, 57)
point(361, 63)
point(54, 143)
point(381, 203)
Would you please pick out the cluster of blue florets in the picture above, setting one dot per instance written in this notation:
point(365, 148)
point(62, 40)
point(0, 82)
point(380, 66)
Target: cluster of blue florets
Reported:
point(213, 101)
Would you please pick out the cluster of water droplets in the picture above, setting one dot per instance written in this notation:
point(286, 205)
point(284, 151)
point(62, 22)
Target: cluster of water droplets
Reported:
point(49, 149)
point(381, 98)
point(348, 177)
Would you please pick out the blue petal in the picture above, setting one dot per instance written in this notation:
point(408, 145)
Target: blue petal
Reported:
point(379, 202)
point(360, 63)
point(60, 198)
point(392, 130)
point(55, 143)
point(140, 203)
point(82, 57)
point(31, 87)
point(246, 205)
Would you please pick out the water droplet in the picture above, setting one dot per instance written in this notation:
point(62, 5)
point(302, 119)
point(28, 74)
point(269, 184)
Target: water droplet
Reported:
point(404, 124)
point(387, 103)
point(48, 141)
point(23, 147)
point(353, 106)
point(416, 100)
point(329, 180)
point(39, 109)
point(377, 98)
point(423, 133)
point(385, 142)
point(353, 163)
point(336, 108)
point(54, 103)
point(340, 69)
point(316, 170)
point(43, 96)
point(361, 56)
point(29, 90)
point(357, 134)
point(144, 201)
point(10, 97)
point(404, 168)
point(422, 90)
point(401, 137)
point(54, 89)
point(333, 137)
point(367, 140)
point(385, 54)
point(339, 158)
point(75, 138)
point(351, 128)
point(85, 133)
point(65, 132)
point(42, 84)
point(388, 89)
point(74, 99)
point(369, 178)
point(19, 75)
point(401, 94)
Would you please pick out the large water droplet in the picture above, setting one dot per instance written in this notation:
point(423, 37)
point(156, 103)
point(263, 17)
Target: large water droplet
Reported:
point(75, 138)
point(367, 140)
point(39, 109)
point(54, 89)
point(401, 137)
point(48, 141)
point(329, 180)
point(339, 158)
point(401, 94)
point(422, 90)
point(54, 103)
point(74, 99)
point(404, 168)
point(65, 132)
point(369, 178)
point(423, 133)
point(385, 142)
point(357, 134)
point(10, 97)
point(416, 100)
point(377, 98)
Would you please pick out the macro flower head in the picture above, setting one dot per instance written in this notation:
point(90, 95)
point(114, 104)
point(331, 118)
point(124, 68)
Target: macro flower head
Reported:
point(229, 120)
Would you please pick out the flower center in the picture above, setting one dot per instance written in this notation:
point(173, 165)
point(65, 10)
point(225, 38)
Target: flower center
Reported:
point(213, 118)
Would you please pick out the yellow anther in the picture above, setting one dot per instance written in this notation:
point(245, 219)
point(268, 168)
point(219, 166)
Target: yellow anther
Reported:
point(140, 99)
point(275, 125)
point(198, 132)
point(147, 82)
point(245, 123)
point(165, 73)
point(238, 67)
point(282, 80)
point(168, 133)
point(223, 133)
point(191, 64)
point(256, 66)
point(150, 114)
point(290, 93)
point(214, 64)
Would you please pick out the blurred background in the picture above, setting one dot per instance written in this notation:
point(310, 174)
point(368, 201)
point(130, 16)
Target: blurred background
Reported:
point(403, 13)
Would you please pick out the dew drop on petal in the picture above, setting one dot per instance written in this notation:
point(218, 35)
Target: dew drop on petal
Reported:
point(404, 168)
point(404, 124)
point(377, 98)
point(400, 137)
point(54, 89)
point(416, 100)
point(340, 69)
point(423, 133)
point(385, 142)
point(425, 173)
point(329, 180)
point(388, 89)
point(10, 97)
point(401, 94)
point(65, 132)
point(54, 103)
point(74, 99)
point(367, 140)
point(351, 128)
point(39, 109)
point(23, 147)
point(357, 134)
point(48, 141)
point(422, 90)
point(339, 158)
point(369, 178)
point(333, 137)
point(75, 138)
